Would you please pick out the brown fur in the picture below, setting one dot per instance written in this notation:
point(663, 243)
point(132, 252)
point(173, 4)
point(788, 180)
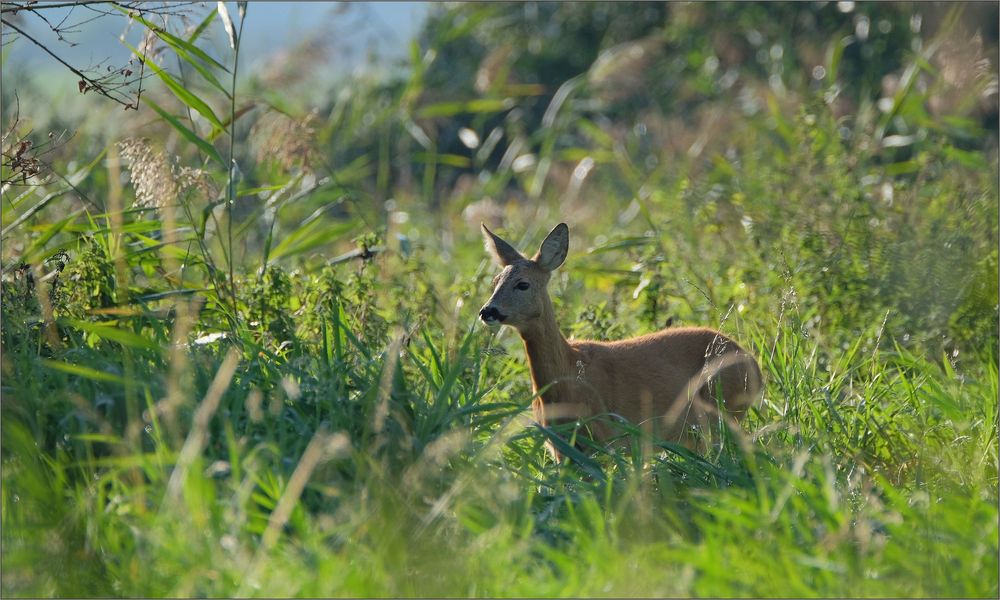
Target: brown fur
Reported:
point(664, 381)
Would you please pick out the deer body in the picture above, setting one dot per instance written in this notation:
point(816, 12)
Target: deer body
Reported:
point(666, 381)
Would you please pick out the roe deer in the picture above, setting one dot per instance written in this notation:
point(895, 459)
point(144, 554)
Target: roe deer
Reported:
point(665, 381)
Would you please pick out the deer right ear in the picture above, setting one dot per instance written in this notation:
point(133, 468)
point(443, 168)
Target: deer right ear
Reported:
point(502, 252)
point(554, 247)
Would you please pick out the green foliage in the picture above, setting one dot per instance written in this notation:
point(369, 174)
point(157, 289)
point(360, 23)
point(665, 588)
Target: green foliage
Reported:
point(268, 310)
point(287, 376)
point(87, 283)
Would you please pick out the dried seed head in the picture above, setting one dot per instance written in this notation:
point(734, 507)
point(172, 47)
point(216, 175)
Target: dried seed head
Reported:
point(958, 59)
point(151, 173)
point(286, 141)
point(189, 179)
point(157, 179)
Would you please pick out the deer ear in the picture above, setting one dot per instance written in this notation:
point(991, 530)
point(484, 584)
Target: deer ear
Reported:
point(503, 253)
point(554, 247)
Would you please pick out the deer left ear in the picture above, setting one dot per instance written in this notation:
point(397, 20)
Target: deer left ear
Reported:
point(554, 247)
point(503, 253)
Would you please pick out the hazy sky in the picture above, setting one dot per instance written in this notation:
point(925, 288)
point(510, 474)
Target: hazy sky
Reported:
point(353, 28)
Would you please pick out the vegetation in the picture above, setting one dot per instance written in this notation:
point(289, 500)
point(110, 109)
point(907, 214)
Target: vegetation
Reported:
point(269, 380)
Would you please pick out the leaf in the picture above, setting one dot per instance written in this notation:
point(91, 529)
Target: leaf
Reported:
point(191, 54)
point(187, 51)
point(630, 242)
point(98, 437)
point(589, 465)
point(38, 245)
point(902, 168)
point(308, 237)
point(154, 244)
point(201, 27)
point(227, 22)
point(480, 105)
point(81, 371)
point(191, 136)
point(257, 190)
point(205, 73)
point(126, 460)
point(835, 53)
point(523, 89)
point(34, 209)
point(578, 154)
point(452, 160)
point(132, 227)
point(972, 160)
point(113, 334)
point(595, 133)
point(418, 134)
point(169, 293)
point(185, 96)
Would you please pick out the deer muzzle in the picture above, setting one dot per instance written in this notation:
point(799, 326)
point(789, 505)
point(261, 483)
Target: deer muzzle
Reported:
point(491, 316)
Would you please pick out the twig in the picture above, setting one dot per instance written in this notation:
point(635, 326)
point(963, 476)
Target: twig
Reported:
point(33, 210)
point(91, 83)
point(16, 8)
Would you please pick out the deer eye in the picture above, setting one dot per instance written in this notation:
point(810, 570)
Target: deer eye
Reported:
point(522, 285)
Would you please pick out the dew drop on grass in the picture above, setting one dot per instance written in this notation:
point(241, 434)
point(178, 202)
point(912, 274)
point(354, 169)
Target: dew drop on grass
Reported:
point(469, 138)
point(523, 163)
point(862, 27)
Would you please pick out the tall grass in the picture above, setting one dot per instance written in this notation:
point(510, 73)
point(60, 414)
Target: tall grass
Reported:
point(271, 381)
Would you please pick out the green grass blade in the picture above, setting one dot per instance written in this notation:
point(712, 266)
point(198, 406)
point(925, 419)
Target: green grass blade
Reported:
point(113, 334)
point(189, 135)
point(589, 465)
point(81, 371)
point(188, 98)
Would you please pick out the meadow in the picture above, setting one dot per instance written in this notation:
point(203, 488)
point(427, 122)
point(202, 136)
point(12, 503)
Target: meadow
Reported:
point(269, 379)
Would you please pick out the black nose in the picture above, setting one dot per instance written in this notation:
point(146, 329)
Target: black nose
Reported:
point(490, 313)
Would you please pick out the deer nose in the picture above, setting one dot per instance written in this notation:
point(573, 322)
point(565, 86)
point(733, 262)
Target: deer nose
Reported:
point(490, 315)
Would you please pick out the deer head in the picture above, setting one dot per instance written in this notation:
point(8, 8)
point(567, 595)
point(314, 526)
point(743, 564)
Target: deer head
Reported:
point(520, 292)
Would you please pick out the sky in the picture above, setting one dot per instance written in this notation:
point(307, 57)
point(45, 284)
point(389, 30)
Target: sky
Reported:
point(354, 28)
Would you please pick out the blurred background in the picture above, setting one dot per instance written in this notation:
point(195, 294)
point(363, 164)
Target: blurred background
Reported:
point(357, 32)
point(762, 123)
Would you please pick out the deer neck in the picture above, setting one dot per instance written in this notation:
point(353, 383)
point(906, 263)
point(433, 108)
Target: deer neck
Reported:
point(549, 354)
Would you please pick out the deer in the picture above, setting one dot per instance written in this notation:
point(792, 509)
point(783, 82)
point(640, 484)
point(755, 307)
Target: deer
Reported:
point(671, 383)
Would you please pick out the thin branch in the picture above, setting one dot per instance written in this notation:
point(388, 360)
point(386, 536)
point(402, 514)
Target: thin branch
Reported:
point(13, 7)
point(123, 90)
point(91, 83)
